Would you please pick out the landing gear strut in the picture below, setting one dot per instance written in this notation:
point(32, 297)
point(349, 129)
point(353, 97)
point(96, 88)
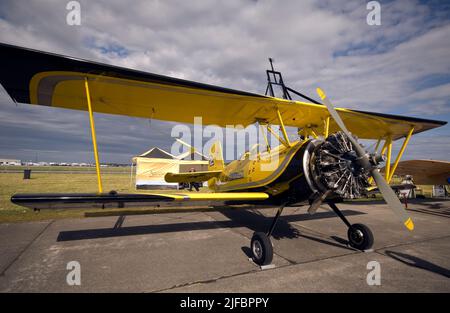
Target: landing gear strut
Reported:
point(359, 235)
point(261, 246)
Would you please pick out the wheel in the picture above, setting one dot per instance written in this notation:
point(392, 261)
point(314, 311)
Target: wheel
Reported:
point(360, 237)
point(262, 251)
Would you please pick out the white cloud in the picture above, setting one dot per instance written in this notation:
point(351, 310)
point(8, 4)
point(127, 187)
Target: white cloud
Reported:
point(326, 43)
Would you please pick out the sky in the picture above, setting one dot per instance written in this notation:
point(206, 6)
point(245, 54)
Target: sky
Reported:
point(401, 66)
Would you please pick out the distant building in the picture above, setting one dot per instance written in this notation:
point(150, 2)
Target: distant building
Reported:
point(10, 162)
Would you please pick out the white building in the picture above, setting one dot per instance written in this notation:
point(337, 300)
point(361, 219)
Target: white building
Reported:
point(10, 162)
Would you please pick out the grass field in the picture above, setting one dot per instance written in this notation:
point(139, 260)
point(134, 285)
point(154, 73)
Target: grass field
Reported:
point(11, 183)
point(59, 182)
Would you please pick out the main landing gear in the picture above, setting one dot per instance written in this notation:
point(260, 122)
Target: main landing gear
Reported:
point(261, 246)
point(359, 237)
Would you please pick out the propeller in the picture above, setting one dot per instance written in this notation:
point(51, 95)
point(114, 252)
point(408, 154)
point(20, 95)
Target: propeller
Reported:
point(317, 202)
point(386, 191)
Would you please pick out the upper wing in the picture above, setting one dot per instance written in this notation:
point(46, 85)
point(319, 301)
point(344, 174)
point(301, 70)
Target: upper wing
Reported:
point(92, 200)
point(426, 172)
point(191, 176)
point(36, 77)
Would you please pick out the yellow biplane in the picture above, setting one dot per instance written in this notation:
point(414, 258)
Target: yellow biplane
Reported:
point(327, 164)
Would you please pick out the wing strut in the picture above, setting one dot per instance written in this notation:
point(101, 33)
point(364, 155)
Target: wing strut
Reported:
point(326, 128)
point(388, 157)
point(283, 129)
point(94, 138)
point(400, 154)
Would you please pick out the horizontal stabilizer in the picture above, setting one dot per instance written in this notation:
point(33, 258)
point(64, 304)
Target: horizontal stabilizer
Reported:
point(191, 176)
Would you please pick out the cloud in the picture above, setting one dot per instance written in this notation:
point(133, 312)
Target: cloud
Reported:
point(399, 67)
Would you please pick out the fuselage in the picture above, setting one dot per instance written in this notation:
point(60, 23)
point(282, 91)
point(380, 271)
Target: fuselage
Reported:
point(282, 172)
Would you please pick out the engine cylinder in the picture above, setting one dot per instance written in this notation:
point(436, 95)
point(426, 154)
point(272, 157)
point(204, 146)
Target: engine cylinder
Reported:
point(319, 166)
point(334, 165)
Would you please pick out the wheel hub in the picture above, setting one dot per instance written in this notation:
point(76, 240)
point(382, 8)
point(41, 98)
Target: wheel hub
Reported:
point(257, 249)
point(357, 236)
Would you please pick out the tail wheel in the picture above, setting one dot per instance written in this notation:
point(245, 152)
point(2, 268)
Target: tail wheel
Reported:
point(360, 237)
point(262, 251)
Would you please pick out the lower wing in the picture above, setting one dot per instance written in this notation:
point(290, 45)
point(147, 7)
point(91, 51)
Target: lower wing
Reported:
point(116, 200)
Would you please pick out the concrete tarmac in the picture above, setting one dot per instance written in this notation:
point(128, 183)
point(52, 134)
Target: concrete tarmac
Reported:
point(209, 252)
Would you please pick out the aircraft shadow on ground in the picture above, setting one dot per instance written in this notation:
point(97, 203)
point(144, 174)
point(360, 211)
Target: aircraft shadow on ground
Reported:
point(260, 223)
point(418, 262)
point(437, 207)
point(236, 218)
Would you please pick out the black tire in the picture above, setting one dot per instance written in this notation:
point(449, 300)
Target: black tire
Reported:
point(261, 247)
point(360, 237)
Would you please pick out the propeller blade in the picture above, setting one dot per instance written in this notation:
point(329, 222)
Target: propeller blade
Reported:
point(386, 191)
point(392, 200)
point(317, 202)
point(334, 114)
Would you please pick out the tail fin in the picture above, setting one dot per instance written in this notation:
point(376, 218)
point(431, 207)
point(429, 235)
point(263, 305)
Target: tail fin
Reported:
point(216, 163)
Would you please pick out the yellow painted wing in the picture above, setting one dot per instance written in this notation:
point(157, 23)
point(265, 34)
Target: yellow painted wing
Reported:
point(58, 81)
point(191, 177)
